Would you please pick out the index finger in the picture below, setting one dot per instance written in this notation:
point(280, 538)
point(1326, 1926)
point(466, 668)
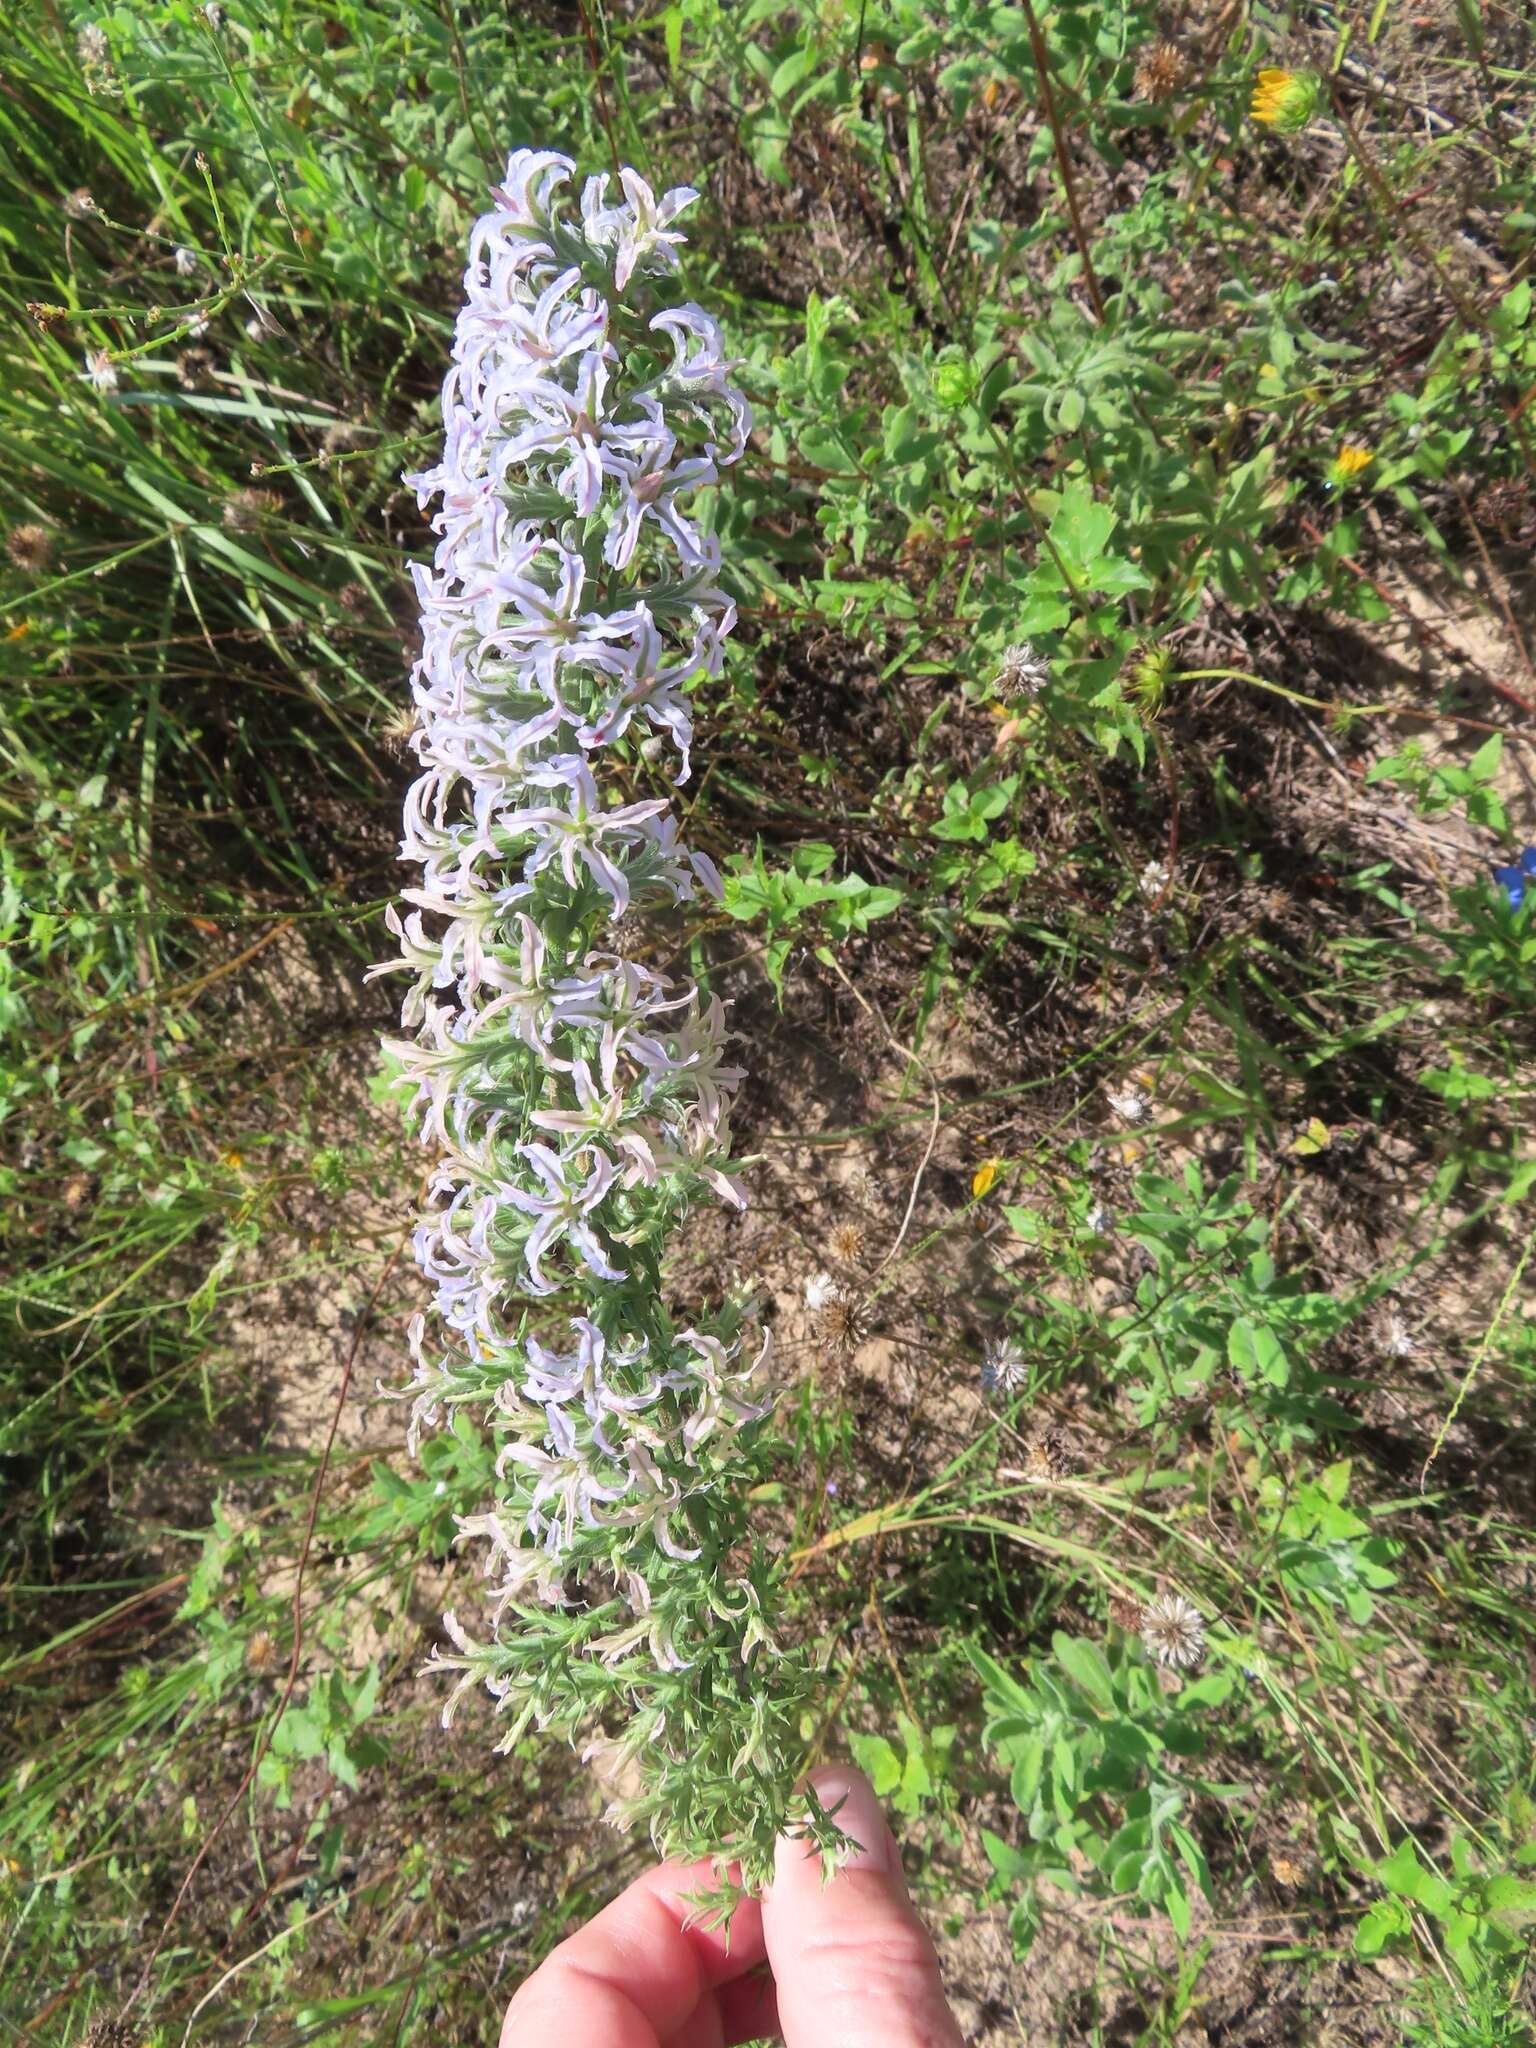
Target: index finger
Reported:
point(635, 1975)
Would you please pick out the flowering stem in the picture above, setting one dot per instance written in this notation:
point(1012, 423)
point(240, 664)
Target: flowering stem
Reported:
point(577, 1099)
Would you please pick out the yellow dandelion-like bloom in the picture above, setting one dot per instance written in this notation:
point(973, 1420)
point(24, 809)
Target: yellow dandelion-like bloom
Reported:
point(1285, 100)
point(985, 1176)
point(1348, 463)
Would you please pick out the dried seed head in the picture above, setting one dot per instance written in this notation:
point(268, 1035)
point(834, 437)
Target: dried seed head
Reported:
point(1504, 506)
point(244, 511)
point(30, 547)
point(93, 49)
point(1046, 1456)
point(1153, 880)
point(1286, 1871)
point(819, 1290)
point(401, 729)
point(262, 1656)
point(1127, 1612)
point(841, 1326)
point(79, 204)
point(1173, 1630)
point(864, 1187)
point(1162, 72)
point(107, 2032)
point(1004, 1368)
point(194, 369)
point(846, 1243)
point(1129, 1103)
point(1022, 672)
point(1397, 1340)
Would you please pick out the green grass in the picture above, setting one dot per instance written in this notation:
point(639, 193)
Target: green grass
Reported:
point(1233, 857)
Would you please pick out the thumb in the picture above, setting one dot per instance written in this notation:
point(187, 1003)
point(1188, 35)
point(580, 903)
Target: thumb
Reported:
point(853, 1964)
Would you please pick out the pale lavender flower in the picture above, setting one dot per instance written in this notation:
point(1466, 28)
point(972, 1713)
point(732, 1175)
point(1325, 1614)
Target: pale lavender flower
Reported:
point(561, 1206)
point(578, 1099)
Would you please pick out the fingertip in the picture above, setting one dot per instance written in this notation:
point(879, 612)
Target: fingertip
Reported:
point(848, 1798)
point(853, 1962)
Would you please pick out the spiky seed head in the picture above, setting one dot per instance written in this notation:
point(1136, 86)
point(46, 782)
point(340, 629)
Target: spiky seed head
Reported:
point(1144, 676)
point(1004, 1368)
point(1130, 1103)
point(400, 732)
point(106, 2031)
point(1153, 880)
point(819, 1290)
point(245, 510)
point(261, 1654)
point(30, 547)
point(1503, 506)
point(1286, 1871)
point(1397, 1340)
point(846, 1243)
point(1022, 672)
point(841, 1326)
point(194, 369)
point(1173, 1630)
point(864, 1186)
point(1162, 72)
point(1046, 1456)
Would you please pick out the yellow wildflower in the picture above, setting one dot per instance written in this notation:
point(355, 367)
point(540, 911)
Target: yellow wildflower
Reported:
point(1348, 463)
point(1285, 100)
point(984, 1176)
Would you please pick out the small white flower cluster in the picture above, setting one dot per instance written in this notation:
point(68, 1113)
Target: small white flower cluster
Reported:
point(579, 1099)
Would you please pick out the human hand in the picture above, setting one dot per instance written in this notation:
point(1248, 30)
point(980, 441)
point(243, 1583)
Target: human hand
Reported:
point(852, 1965)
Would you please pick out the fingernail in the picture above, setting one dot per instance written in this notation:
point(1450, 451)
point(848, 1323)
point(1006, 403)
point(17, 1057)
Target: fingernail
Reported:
point(850, 1799)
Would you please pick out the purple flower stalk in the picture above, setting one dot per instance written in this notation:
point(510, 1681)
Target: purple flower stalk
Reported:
point(579, 1100)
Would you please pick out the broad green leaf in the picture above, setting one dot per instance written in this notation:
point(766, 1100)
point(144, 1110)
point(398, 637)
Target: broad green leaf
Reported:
point(1085, 1663)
